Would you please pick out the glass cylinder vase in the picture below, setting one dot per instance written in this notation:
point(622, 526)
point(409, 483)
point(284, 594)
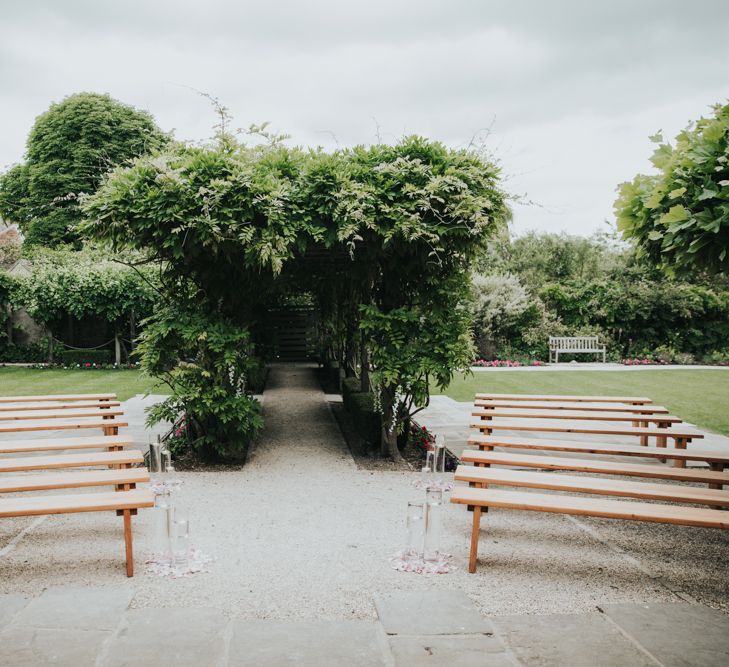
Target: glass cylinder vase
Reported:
point(433, 523)
point(414, 523)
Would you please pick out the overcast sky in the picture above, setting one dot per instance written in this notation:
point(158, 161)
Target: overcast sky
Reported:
point(569, 89)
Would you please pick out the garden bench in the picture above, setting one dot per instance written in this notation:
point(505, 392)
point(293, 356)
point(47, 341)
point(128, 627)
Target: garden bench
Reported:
point(585, 406)
point(109, 426)
point(579, 415)
point(680, 455)
point(58, 397)
point(109, 442)
point(5, 407)
point(71, 480)
point(575, 345)
point(103, 413)
point(631, 400)
point(487, 477)
point(680, 436)
point(714, 478)
point(125, 503)
point(479, 499)
point(123, 458)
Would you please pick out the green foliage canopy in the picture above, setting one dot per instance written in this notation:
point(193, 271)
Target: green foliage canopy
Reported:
point(68, 150)
point(235, 224)
point(679, 218)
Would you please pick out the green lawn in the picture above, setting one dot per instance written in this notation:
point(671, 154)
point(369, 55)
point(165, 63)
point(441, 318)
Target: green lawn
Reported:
point(697, 396)
point(30, 381)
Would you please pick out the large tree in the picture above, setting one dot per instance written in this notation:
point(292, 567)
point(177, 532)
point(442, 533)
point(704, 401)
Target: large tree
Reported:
point(70, 147)
point(679, 217)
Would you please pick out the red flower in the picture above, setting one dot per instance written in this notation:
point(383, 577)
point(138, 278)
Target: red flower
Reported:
point(88, 365)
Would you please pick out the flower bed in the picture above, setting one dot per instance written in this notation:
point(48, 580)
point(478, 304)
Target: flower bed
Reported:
point(505, 363)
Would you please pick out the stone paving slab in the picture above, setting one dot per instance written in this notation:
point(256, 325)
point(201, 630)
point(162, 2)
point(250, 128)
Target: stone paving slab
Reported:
point(569, 640)
point(259, 643)
point(76, 608)
point(676, 634)
point(430, 613)
point(174, 636)
point(451, 650)
point(11, 604)
point(27, 646)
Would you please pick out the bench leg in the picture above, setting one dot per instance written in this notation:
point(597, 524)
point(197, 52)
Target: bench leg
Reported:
point(128, 542)
point(718, 467)
point(680, 444)
point(473, 556)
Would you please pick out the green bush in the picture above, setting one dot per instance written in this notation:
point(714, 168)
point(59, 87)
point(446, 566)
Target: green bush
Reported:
point(350, 386)
point(26, 354)
point(82, 357)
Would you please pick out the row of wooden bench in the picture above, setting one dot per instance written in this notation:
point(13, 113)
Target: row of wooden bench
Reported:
point(46, 467)
point(582, 414)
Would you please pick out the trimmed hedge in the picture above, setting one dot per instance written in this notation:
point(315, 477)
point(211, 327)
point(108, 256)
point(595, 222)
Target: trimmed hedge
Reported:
point(360, 405)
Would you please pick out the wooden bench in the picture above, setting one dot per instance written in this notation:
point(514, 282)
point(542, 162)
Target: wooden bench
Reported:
point(579, 415)
point(647, 409)
point(630, 400)
point(71, 480)
point(86, 460)
point(109, 426)
point(60, 406)
point(479, 498)
point(679, 455)
point(102, 413)
point(714, 478)
point(575, 345)
point(58, 397)
point(487, 477)
point(125, 503)
point(108, 442)
point(680, 436)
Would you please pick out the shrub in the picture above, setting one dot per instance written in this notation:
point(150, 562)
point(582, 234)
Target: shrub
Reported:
point(365, 418)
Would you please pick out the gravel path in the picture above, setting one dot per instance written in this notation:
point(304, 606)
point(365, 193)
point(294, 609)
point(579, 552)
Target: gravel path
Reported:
point(301, 532)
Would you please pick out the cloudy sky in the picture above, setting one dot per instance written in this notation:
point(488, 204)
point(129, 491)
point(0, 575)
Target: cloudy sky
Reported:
point(565, 92)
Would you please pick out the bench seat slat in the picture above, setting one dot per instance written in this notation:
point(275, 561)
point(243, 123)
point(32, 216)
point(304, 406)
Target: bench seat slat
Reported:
point(57, 397)
point(72, 503)
point(60, 444)
point(593, 485)
point(563, 397)
point(59, 406)
point(626, 468)
point(598, 430)
point(55, 426)
point(608, 449)
point(567, 405)
point(576, 415)
point(71, 460)
point(71, 480)
point(596, 507)
point(63, 414)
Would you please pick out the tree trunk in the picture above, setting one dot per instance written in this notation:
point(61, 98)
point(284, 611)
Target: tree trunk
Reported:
point(388, 445)
point(364, 370)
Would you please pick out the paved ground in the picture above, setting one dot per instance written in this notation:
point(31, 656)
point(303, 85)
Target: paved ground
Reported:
point(301, 537)
point(76, 627)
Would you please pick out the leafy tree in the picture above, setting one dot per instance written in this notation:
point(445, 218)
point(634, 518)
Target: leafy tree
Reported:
point(679, 218)
point(68, 150)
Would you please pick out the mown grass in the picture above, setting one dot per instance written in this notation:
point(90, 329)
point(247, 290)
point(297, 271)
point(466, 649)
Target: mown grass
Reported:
point(697, 396)
point(32, 381)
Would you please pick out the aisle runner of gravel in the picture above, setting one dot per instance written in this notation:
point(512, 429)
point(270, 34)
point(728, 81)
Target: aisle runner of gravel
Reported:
point(300, 532)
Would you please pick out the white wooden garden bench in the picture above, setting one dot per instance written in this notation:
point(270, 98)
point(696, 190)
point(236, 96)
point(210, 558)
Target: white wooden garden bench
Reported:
point(574, 345)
